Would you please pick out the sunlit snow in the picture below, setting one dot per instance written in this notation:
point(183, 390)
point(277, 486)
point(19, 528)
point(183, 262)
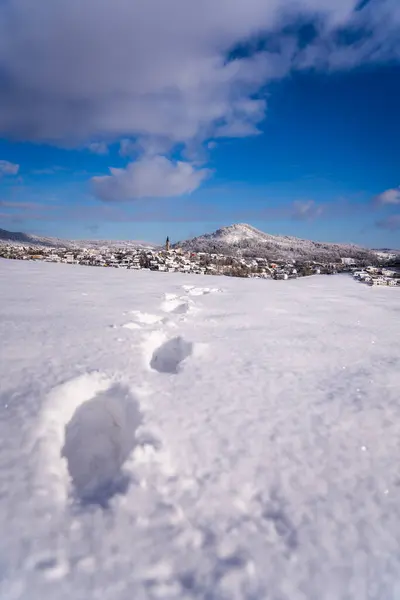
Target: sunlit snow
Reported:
point(178, 436)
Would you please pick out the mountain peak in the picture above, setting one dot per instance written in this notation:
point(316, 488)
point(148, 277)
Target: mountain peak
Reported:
point(244, 239)
point(234, 234)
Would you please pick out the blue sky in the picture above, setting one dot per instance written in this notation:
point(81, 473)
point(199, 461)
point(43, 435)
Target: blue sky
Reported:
point(298, 134)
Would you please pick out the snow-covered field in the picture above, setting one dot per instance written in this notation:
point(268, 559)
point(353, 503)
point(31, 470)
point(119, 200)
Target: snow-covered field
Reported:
point(234, 439)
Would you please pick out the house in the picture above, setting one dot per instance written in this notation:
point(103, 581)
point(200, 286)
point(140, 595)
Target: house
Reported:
point(361, 275)
point(69, 257)
point(389, 272)
point(135, 264)
point(378, 281)
point(53, 258)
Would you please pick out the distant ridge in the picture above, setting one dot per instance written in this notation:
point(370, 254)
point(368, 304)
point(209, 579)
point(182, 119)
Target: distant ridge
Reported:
point(245, 240)
point(235, 240)
point(26, 239)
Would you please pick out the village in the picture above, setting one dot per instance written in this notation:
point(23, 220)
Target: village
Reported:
point(378, 276)
point(168, 259)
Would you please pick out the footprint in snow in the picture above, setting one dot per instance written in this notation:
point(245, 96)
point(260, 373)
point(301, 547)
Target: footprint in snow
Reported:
point(89, 428)
point(166, 355)
point(142, 319)
point(98, 439)
point(199, 291)
point(176, 306)
point(146, 318)
point(169, 296)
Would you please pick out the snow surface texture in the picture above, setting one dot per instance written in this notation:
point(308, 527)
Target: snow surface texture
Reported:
point(246, 446)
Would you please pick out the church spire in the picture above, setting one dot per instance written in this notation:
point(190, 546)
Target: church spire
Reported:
point(167, 244)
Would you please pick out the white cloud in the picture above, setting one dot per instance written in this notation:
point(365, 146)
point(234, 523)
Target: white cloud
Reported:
point(375, 37)
point(389, 197)
point(149, 177)
point(80, 70)
point(127, 147)
point(150, 146)
point(306, 209)
point(98, 147)
point(237, 129)
point(8, 168)
point(158, 76)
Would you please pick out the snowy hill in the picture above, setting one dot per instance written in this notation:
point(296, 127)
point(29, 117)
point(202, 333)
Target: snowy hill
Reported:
point(249, 241)
point(387, 253)
point(26, 239)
